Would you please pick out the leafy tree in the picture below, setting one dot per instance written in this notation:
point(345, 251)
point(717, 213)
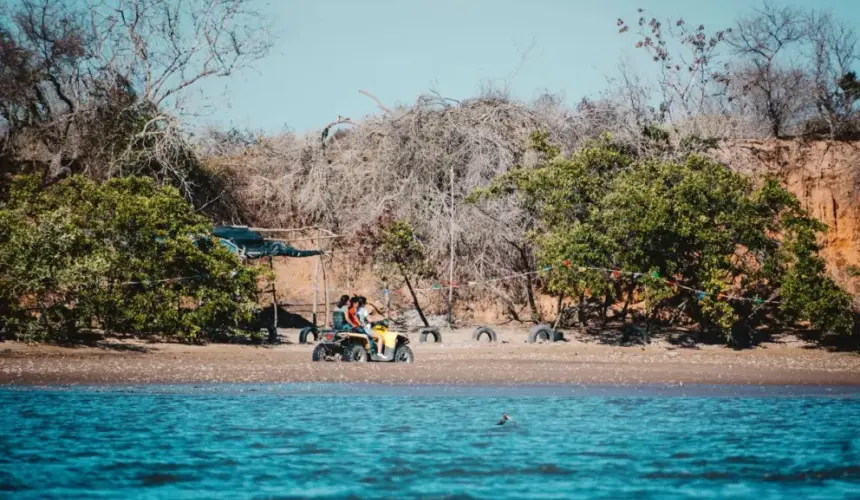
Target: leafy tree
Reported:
point(394, 249)
point(125, 256)
point(692, 223)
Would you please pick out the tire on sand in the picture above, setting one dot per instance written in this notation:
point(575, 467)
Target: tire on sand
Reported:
point(484, 331)
point(322, 353)
point(308, 330)
point(354, 353)
point(424, 332)
point(544, 332)
point(403, 354)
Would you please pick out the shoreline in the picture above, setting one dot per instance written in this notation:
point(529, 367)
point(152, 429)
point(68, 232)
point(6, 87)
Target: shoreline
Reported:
point(457, 362)
point(313, 388)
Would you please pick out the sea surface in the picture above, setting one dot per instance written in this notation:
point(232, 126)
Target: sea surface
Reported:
point(360, 441)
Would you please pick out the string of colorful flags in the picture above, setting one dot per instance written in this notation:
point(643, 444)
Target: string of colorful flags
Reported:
point(615, 273)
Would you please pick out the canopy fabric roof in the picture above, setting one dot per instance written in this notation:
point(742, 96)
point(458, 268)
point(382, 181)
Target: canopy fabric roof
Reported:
point(240, 239)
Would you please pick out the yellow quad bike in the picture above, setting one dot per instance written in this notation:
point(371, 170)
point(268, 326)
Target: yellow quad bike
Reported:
point(353, 346)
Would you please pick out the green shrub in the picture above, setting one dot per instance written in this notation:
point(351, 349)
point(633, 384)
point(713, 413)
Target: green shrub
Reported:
point(125, 256)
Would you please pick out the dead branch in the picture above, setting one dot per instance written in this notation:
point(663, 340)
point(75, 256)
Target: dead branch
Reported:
point(376, 100)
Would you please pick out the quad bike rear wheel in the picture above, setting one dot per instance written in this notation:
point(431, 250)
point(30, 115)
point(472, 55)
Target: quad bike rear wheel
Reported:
point(354, 353)
point(403, 354)
point(323, 353)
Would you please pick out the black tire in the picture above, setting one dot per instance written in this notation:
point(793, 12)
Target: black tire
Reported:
point(308, 330)
point(403, 354)
point(543, 332)
point(354, 353)
point(424, 332)
point(322, 352)
point(484, 331)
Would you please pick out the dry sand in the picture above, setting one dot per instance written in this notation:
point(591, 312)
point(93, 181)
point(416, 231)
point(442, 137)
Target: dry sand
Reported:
point(458, 360)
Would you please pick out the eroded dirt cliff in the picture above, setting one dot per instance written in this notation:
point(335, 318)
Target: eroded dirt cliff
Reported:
point(825, 176)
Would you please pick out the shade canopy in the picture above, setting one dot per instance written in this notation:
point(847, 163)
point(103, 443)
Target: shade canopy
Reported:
point(241, 240)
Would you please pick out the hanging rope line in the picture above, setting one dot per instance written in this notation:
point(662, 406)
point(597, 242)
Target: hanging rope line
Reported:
point(614, 273)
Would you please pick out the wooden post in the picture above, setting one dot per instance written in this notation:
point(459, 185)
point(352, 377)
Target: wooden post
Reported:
point(274, 295)
point(316, 291)
point(325, 290)
point(387, 296)
point(451, 259)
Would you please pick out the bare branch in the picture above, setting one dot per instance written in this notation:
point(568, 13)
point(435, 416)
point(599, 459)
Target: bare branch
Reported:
point(376, 100)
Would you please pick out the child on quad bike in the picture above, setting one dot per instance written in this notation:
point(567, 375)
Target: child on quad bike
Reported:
point(351, 311)
point(356, 316)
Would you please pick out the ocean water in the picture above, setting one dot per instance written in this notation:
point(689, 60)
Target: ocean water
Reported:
point(342, 441)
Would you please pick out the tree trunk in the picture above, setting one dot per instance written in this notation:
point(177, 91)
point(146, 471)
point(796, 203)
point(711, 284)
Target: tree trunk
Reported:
point(630, 289)
point(580, 310)
point(532, 305)
point(559, 311)
point(607, 301)
point(414, 297)
point(524, 256)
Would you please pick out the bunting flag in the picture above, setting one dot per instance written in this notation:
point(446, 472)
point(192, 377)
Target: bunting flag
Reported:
point(616, 273)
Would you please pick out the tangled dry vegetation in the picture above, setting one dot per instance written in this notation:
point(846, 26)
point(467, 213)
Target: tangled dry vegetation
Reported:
point(400, 162)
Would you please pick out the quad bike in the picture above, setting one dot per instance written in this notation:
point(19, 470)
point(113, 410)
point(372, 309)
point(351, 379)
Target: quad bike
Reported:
point(354, 347)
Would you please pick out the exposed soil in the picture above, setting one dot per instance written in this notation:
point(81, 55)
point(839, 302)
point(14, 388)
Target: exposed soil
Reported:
point(458, 360)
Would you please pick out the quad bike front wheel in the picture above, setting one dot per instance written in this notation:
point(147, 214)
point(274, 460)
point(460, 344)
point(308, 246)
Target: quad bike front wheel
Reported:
point(354, 353)
point(403, 354)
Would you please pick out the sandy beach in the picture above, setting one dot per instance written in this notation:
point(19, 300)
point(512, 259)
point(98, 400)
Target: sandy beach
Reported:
point(458, 360)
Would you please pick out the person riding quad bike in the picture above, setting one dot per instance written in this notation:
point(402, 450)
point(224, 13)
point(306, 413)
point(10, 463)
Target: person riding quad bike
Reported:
point(363, 316)
point(355, 338)
point(354, 346)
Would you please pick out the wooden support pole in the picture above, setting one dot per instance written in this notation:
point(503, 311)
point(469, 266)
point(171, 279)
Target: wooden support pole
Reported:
point(325, 291)
point(451, 258)
point(316, 291)
point(274, 295)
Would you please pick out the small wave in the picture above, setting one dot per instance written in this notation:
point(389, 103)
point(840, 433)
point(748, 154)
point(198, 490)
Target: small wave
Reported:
point(741, 459)
point(600, 454)
point(157, 479)
point(543, 469)
point(688, 475)
point(851, 472)
point(8, 482)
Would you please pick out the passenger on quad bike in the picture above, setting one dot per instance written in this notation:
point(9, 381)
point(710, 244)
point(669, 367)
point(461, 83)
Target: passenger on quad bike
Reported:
point(367, 327)
point(357, 318)
point(351, 318)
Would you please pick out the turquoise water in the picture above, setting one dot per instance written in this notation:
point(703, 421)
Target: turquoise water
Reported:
point(330, 441)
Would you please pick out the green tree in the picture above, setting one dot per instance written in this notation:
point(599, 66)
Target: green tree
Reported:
point(125, 256)
point(394, 248)
point(665, 223)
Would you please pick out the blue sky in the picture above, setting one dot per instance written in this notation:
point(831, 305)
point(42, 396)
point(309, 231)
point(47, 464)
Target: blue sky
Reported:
point(326, 50)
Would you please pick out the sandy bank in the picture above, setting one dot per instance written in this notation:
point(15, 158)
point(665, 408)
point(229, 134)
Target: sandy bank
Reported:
point(457, 361)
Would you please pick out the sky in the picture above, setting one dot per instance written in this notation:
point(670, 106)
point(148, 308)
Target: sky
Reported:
point(326, 50)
